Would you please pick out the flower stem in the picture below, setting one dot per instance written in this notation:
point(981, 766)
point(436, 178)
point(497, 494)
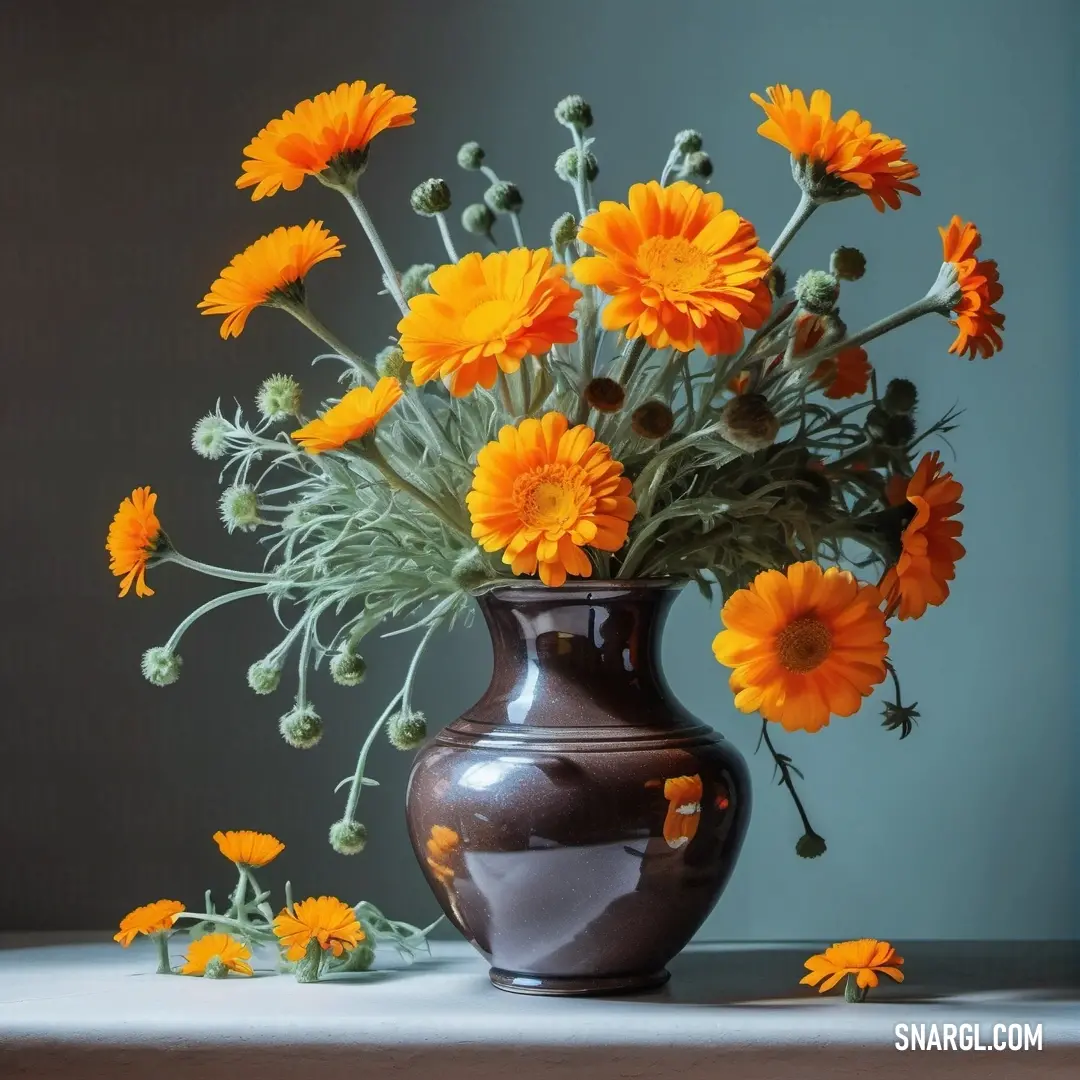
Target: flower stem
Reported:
point(853, 992)
point(243, 576)
point(515, 224)
point(444, 231)
point(361, 761)
point(397, 481)
point(579, 179)
point(393, 282)
point(250, 929)
point(210, 605)
point(303, 314)
point(161, 941)
point(785, 773)
point(631, 354)
point(797, 220)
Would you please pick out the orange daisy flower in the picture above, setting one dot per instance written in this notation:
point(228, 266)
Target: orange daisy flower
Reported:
point(930, 549)
point(865, 959)
point(155, 918)
point(542, 492)
point(681, 270)
point(484, 314)
point(225, 948)
point(326, 920)
point(978, 325)
point(329, 134)
point(441, 847)
point(843, 375)
point(683, 794)
point(353, 417)
point(252, 849)
point(271, 271)
point(804, 644)
point(134, 536)
point(843, 156)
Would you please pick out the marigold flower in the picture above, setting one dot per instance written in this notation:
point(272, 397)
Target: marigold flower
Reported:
point(328, 134)
point(681, 270)
point(252, 849)
point(155, 918)
point(843, 375)
point(930, 549)
point(804, 644)
point(484, 314)
point(838, 157)
point(326, 920)
point(134, 536)
point(683, 794)
point(542, 492)
point(230, 954)
point(353, 417)
point(441, 847)
point(865, 959)
point(978, 325)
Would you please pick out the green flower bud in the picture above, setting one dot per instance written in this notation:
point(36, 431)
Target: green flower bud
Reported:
point(348, 668)
point(239, 506)
point(504, 197)
point(470, 156)
point(302, 728)
point(810, 846)
point(688, 141)
point(348, 837)
point(574, 112)
point(278, 397)
point(848, 263)
point(389, 362)
point(748, 422)
point(215, 968)
point(817, 291)
point(477, 219)
point(563, 232)
point(697, 165)
point(901, 396)
point(407, 731)
point(414, 281)
point(209, 437)
point(431, 197)
point(161, 666)
point(566, 166)
point(263, 676)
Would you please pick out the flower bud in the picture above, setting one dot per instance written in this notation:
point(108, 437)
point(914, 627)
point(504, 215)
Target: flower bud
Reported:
point(209, 437)
point(817, 291)
point(348, 668)
point(278, 397)
point(574, 112)
point(239, 506)
point(653, 420)
point(566, 166)
point(407, 730)
point(889, 429)
point(263, 676)
point(563, 232)
point(477, 219)
point(348, 837)
point(161, 666)
point(504, 197)
point(901, 396)
point(389, 362)
point(848, 263)
point(810, 846)
point(697, 165)
point(776, 279)
point(605, 395)
point(302, 728)
point(748, 422)
point(215, 968)
point(414, 281)
point(431, 197)
point(688, 141)
point(470, 156)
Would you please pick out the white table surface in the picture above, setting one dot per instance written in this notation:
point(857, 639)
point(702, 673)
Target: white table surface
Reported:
point(89, 1008)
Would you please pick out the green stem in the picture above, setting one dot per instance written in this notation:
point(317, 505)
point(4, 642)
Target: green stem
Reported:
point(264, 908)
point(799, 218)
point(515, 224)
point(303, 314)
point(393, 283)
point(785, 775)
point(504, 394)
point(174, 556)
point(853, 992)
point(361, 761)
point(249, 928)
point(444, 232)
point(580, 180)
point(161, 941)
point(630, 356)
point(210, 605)
point(397, 481)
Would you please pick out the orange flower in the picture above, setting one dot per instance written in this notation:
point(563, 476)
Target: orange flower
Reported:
point(843, 157)
point(226, 949)
point(441, 846)
point(843, 375)
point(326, 920)
point(681, 270)
point(484, 314)
point(271, 271)
point(542, 492)
point(134, 536)
point(739, 384)
point(865, 959)
point(155, 918)
point(803, 644)
point(930, 549)
point(683, 794)
point(253, 849)
point(979, 326)
point(351, 418)
point(329, 134)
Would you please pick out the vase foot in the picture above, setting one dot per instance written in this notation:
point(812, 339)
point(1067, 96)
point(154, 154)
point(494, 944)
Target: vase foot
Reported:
point(515, 982)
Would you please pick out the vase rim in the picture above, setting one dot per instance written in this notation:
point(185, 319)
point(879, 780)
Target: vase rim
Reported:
point(583, 585)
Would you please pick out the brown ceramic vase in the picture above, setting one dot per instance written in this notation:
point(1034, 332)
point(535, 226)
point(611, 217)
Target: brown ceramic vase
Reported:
point(577, 824)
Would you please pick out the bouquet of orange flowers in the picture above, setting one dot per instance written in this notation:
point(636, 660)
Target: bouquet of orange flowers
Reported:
point(643, 396)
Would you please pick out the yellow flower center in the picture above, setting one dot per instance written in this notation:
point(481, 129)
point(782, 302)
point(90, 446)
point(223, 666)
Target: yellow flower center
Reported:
point(487, 320)
point(804, 644)
point(550, 497)
point(672, 262)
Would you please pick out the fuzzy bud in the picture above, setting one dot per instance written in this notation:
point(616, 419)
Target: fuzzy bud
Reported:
point(263, 676)
point(390, 362)
point(414, 281)
point(215, 968)
point(348, 837)
point(817, 291)
point(407, 730)
point(430, 198)
point(697, 165)
point(470, 156)
point(566, 166)
point(748, 422)
point(209, 437)
point(574, 112)
point(605, 395)
point(239, 506)
point(504, 197)
point(810, 846)
point(888, 429)
point(477, 219)
point(161, 666)
point(348, 668)
point(848, 263)
point(688, 141)
point(302, 728)
point(653, 420)
point(471, 570)
point(278, 397)
point(563, 232)
point(777, 281)
point(901, 397)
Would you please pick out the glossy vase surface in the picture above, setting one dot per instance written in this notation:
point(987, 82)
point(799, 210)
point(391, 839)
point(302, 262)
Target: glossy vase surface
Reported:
point(577, 824)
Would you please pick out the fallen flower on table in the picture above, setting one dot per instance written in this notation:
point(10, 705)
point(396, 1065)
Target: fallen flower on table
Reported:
point(861, 961)
point(215, 955)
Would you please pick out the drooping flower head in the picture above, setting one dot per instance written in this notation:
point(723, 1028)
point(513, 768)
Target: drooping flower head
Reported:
point(866, 959)
point(252, 849)
point(836, 158)
point(134, 536)
point(353, 417)
point(681, 270)
point(442, 845)
point(930, 548)
point(327, 920)
point(484, 314)
point(271, 271)
point(155, 918)
point(542, 492)
point(229, 954)
point(841, 376)
point(804, 644)
point(978, 325)
point(325, 137)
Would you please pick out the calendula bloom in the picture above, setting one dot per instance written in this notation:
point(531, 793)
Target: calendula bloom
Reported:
point(134, 536)
point(155, 918)
point(683, 794)
point(837, 157)
point(252, 849)
point(681, 270)
point(542, 492)
point(978, 325)
point(843, 375)
point(441, 846)
point(271, 271)
point(930, 549)
point(328, 135)
point(804, 644)
point(353, 417)
point(230, 953)
point(866, 959)
point(326, 920)
point(485, 314)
